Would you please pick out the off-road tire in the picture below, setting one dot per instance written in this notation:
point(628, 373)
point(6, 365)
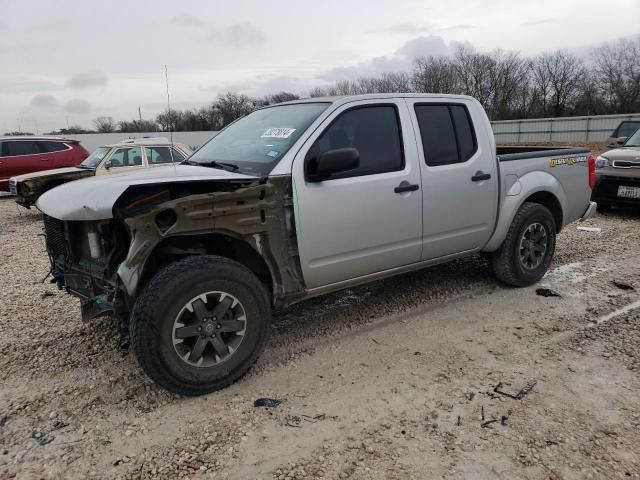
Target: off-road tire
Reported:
point(161, 300)
point(506, 260)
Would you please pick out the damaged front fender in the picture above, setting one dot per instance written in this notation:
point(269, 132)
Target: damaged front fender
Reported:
point(187, 219)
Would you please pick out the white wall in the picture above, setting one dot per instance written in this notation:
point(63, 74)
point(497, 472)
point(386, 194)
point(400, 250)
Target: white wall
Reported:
point(91, 141)
point(595, 128)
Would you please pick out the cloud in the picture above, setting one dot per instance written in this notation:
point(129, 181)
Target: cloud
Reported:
point(239, 35)
point(400, 61)
point(186, 20)
point(542, 21)
point(77, 105)
point(43, 101)
point(458, 27)
point(405, 29)
point(93, 78)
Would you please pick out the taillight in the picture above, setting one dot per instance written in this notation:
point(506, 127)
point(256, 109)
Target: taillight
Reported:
point(592, 172)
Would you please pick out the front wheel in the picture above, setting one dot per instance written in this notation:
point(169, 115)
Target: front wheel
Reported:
point(525, 255)
point(200, 324)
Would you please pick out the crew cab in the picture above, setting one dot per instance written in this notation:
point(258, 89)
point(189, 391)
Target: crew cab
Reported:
point(297, 200)
point(26, 154)
point(125, 156)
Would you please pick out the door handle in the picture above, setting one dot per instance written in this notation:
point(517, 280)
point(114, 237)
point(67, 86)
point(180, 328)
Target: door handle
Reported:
point(406, 187)
point(480, 175)
point(44, 159)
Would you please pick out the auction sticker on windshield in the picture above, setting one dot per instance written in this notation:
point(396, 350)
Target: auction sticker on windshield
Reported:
point(278, 133)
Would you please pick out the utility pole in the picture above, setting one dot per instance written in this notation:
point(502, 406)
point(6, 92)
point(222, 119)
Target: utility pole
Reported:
point(139, 114)
point(67, 117)
point(35, 120)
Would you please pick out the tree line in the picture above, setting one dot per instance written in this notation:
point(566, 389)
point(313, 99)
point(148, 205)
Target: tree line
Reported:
point(507, 84)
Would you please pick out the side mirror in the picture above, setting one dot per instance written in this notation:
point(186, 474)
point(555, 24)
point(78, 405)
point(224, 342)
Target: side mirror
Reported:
point(107, 164)
point(331, 162)
point(621, 140)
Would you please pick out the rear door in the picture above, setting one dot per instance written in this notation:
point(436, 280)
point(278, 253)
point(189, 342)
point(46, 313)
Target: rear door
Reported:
point(459, 178)
point(59, 153)
point(359, 222)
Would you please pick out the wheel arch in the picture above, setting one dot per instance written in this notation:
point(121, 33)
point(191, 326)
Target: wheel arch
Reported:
point(548, 193)
point(225, 244)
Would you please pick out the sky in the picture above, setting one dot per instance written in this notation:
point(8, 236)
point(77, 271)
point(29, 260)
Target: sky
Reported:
point(68, 62)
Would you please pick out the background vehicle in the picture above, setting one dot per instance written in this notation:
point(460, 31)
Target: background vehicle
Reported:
point(19, 155)
point(622, 132)
point(297, 200)
point(121, 157)
point(618, 175)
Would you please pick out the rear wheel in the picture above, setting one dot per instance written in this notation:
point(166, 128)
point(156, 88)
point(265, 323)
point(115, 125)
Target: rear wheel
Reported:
point(525, 255)
point(200, 324)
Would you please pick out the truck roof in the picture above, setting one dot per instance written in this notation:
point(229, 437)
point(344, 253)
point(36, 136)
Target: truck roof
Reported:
point(340, 99)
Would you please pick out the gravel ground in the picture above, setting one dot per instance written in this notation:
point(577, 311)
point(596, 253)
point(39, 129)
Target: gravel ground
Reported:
point(391, 380)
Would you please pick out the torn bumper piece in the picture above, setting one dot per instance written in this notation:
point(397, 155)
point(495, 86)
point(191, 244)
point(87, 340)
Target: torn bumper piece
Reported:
point(590, 211)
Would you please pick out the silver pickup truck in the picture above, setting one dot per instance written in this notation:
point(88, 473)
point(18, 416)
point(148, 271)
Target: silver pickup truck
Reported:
point(297, 200)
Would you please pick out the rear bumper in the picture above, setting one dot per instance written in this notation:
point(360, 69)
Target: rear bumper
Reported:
point(590, 211)
point(606, 190)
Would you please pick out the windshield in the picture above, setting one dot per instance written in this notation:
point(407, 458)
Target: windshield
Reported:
point(93, 160)
point(634, 140)
point(255, 143)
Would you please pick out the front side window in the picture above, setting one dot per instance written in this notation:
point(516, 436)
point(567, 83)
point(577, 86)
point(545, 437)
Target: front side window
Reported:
point(126, 157)
point(162, 155)
point(21, 147)
point(634, 140)
point(447, 134)
point(626, 129)
point(373, 131)
point(255, 143)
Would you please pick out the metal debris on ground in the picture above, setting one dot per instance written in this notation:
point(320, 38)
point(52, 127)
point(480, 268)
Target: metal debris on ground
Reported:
point(589, 229)
point(459, 422)
point(488, 423)
point(58, 424)
point(623, 285)
point(482, 413)
point(470, 395)
point(47, 294)
point(296, 420)
point(267, 402)
point(518, 396)
point(42, 439)
point(547, 292)
point(3, 421)
point(503, 420)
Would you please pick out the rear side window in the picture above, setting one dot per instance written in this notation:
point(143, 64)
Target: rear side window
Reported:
point(626, 129)
point(160, 155)
point(447, 134)
point(374, 131)
point(46, 147)
point(21, 147)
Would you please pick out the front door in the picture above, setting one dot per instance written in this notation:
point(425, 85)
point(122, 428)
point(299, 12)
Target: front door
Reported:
point(360, 222)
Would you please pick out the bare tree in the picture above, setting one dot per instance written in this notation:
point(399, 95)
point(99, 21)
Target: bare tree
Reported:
point(618, 70)
point(104, 124)
point(556, 77)
point(435, 75)
point(233, 106)
point(280, 97)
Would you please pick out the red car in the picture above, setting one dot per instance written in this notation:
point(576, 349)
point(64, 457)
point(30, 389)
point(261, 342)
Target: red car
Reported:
point(20, 155)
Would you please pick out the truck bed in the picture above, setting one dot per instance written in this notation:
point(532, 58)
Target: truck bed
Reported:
point(515, 152)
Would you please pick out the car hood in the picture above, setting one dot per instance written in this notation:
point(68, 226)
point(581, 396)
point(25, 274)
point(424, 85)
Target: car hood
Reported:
point(93, 198)
point(629, 153)
point(50, 173)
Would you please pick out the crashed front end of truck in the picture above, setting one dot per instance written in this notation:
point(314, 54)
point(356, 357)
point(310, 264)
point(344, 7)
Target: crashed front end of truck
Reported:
point(106, 263)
